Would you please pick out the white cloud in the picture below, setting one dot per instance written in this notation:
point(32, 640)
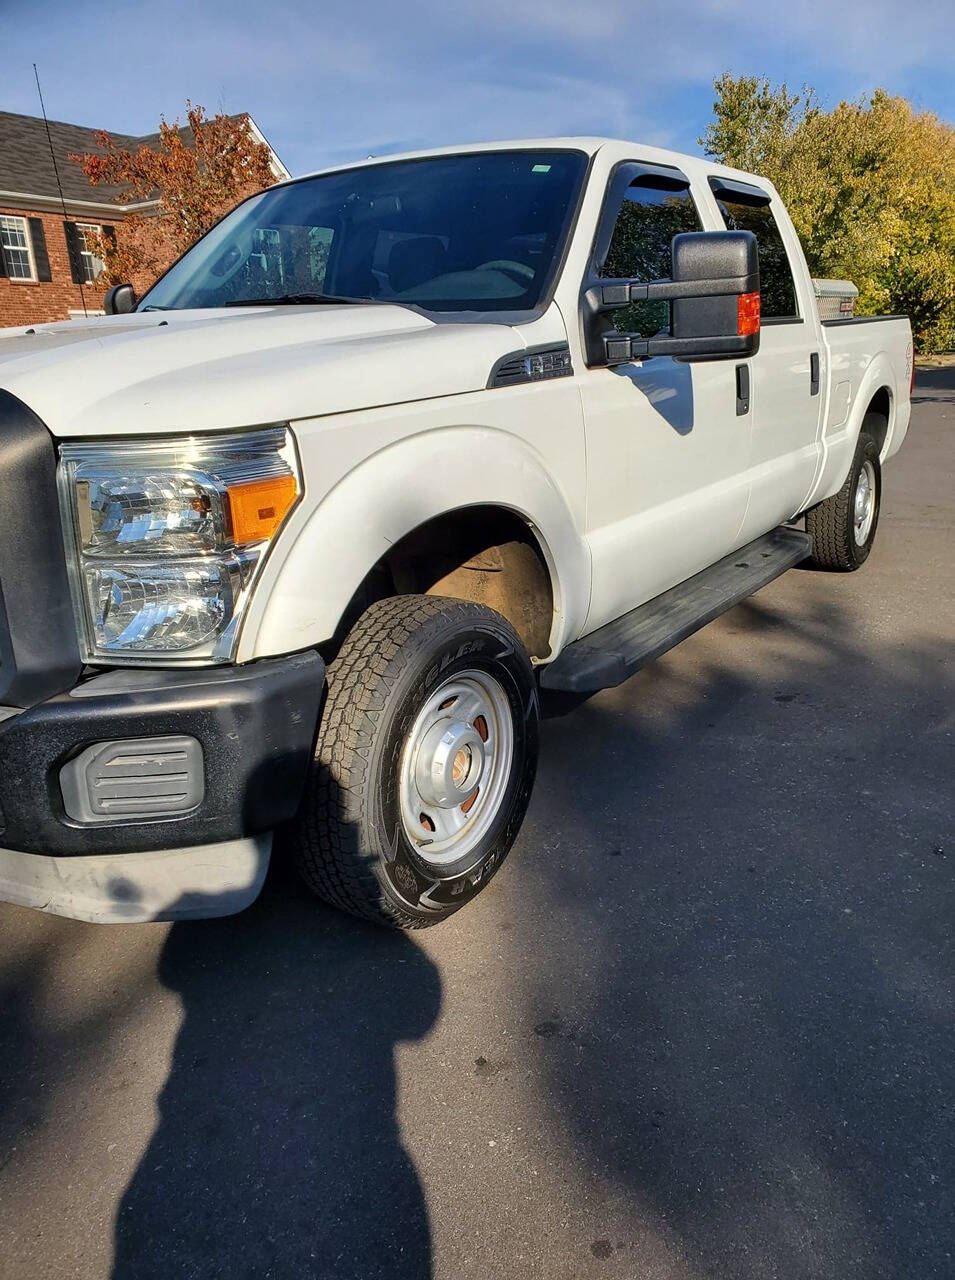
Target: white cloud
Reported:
point(333, 79)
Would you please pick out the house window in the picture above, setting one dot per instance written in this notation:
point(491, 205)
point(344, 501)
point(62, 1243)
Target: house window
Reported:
point(15, 245)
point(90, 265)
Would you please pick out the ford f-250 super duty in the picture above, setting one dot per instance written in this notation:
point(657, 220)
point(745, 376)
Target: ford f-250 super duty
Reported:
point(293, 544)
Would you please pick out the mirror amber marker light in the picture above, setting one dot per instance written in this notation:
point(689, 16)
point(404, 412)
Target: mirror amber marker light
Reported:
point(258, 507)
point(747, 314)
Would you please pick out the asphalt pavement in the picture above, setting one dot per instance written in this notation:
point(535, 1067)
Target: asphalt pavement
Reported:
point(702, 1024)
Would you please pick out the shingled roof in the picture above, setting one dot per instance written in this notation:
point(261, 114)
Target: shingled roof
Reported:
point(26, 167)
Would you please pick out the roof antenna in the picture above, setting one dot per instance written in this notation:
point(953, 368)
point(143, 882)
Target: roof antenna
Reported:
point(56, 172)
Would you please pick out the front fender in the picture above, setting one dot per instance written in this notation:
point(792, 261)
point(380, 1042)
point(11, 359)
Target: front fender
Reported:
point(323, 555)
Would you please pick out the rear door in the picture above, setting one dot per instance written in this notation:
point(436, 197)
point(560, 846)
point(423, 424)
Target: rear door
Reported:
point(787, 373)
point(667, 441)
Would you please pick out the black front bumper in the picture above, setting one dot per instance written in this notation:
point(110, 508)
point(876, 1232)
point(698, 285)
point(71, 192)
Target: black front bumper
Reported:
point(255, 724)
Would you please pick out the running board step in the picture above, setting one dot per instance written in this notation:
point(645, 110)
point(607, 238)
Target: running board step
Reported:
point(611, 655)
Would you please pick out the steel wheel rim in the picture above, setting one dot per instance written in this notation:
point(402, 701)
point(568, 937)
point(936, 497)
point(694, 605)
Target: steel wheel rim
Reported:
point(455, 766)
point(864, 503)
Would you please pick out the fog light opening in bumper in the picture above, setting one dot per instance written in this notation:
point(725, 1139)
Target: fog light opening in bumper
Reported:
point(134, 780)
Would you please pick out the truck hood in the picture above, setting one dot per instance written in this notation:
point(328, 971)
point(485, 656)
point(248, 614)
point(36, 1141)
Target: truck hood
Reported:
point(183, 371)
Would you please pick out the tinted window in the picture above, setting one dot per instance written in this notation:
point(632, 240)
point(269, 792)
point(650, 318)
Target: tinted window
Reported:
point(648, 220)
point(778, 293)
point(283, 259)
point(478, 232)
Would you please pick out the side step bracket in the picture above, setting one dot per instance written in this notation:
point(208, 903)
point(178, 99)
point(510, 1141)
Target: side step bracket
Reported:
point(611, 655)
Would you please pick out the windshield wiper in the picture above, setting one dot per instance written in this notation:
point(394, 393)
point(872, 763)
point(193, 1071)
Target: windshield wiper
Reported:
point(293, 300)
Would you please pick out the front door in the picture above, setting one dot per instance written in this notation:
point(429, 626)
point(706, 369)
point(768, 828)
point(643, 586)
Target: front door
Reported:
point(667, 451)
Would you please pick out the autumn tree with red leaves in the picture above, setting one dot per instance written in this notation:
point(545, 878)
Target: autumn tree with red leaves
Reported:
point(189, 183)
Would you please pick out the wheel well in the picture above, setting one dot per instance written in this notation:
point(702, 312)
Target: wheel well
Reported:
point(880, 406)
point(484, 554)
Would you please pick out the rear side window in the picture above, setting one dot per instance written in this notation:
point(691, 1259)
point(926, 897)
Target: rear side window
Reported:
point(778, 292)
point(648, 220)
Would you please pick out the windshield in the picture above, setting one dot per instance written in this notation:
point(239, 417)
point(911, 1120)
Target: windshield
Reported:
point(474, 232)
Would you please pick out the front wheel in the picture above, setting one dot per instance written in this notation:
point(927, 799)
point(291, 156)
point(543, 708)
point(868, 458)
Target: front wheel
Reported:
point(424, 761)
point(843, 527)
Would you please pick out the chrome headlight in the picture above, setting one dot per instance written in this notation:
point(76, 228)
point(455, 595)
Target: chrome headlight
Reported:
point(168, 537)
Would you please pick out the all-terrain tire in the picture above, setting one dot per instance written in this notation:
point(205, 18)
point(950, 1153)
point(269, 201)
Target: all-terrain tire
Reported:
point(349, 841)
point(832, 524)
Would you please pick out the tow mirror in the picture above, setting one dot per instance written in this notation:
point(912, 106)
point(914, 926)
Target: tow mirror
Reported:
point(120, 300)
point(713, 296)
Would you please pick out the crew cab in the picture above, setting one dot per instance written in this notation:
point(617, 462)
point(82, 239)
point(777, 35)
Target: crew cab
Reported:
point(292, 547)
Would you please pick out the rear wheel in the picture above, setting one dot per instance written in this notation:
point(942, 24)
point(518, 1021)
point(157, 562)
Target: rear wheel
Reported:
point(843, 527)
point(424, 761)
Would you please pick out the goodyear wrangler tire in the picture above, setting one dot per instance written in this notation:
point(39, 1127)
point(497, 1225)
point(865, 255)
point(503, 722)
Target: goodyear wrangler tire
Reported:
point(843, 526)
point(424, 761)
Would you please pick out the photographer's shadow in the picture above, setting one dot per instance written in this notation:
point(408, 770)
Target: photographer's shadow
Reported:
point(277, 1151)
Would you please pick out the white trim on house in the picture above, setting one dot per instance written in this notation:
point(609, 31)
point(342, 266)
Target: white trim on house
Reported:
point(29, 200)
point(278, 168)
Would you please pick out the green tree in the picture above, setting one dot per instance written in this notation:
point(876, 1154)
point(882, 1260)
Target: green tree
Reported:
point(870, 186)
point(754, 121)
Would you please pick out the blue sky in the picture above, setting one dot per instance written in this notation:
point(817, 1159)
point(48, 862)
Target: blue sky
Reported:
point(330, 81)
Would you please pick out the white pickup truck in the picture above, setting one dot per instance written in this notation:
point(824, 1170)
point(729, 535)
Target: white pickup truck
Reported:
point(290, 546)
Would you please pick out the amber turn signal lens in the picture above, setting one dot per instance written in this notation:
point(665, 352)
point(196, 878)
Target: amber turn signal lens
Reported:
point(258, 507)
point(747, 313)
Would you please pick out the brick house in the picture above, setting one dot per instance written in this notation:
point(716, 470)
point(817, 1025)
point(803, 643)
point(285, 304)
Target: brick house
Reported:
point(46, 269)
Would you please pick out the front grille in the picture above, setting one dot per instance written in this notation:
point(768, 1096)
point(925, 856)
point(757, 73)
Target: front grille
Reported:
point(38, 651)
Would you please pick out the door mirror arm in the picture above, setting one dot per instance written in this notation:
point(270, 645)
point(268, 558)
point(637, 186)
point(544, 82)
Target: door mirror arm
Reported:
point(611, 295)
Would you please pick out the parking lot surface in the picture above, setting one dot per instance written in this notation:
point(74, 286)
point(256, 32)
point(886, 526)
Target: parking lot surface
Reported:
point(701, 1024)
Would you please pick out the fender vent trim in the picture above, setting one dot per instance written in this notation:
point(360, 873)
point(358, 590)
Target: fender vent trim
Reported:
point(534, 364)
